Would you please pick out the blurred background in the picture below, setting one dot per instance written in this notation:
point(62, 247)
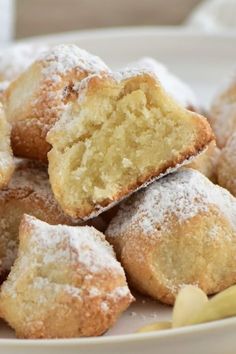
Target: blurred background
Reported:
point(36, 17)
point(26, 18)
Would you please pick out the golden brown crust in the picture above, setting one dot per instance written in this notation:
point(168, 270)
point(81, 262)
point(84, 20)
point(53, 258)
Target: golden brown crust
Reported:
point(36, 98)
point(73, 286)
point(91, 86)
point(177, 233)
point(35, 145)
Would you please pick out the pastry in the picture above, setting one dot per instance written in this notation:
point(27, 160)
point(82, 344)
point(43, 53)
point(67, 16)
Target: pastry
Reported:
point(6, 157)
point(34, 101)
point(3, 87)
point(29, 192)
point(66, 282)
point(122, 132)
point(226, 169)
point(15, 59)
point(206, 162)
point(178, 89)
point(180, 230)
point(222, 115)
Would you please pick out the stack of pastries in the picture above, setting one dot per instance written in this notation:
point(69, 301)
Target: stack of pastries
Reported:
point(85, 150)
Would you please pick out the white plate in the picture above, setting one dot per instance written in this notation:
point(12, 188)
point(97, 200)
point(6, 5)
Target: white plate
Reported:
point(204, 61)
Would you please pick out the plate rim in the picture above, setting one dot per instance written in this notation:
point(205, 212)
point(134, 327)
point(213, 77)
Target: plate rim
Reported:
point(125, 338)
point(111, 32)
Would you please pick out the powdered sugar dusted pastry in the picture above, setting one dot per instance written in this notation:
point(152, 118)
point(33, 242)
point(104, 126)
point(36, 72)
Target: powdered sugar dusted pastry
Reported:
point(179, 90)
point(121, 133)
point(35, 100)
point(6, 157)
point(14, 60)
point(207, 162)
point(226, 170)
point(29, 192)
point(223, 113)
point(65, 283)
point(180, 230)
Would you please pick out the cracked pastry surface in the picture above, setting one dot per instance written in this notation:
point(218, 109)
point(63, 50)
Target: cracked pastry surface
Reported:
point(6, 157)
point(66, 282)
point(180, 230)
point(36, 98)
point(122, 132)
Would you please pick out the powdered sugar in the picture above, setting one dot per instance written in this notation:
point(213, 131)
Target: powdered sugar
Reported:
point(183, 195)
point(172, 84)
point(79, 245)
point(94, 291)
point(81, 251)
point(4, 85)
point(119, 292)
point(31, 179)
point(65, 57)
point(30, 175)
point(57, 275)
point(63, 67)
point(104, 306)
point(29, 189)
point(214, 232)
point(15, 59)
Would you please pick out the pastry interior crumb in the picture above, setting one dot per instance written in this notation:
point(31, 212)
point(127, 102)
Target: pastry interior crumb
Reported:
point(116, 136)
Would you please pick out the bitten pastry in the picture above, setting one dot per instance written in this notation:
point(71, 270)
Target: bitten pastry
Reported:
point(6, 157)
point(226, 170)
point(222, 115)
point(66, 282)
point(206, 163)
point(180, 230)
point(122, 132)
point(178, 89)
point(29, 192)
point(34, 101)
